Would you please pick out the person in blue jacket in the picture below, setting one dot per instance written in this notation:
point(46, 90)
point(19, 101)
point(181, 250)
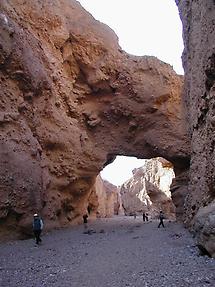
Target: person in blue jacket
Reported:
point(37, 227)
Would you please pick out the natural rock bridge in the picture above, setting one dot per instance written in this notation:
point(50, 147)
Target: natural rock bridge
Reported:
point(71, 100)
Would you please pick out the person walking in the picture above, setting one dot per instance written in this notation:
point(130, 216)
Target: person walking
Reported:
point(144, 217)
point(147, 217)
point(37, 228)
point(161, 218)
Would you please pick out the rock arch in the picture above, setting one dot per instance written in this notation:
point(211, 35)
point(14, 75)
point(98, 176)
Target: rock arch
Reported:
point(71, 100)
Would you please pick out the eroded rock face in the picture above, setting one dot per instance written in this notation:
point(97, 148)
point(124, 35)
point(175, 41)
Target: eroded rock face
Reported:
point(199, 64)
point(203, 225)
point(179, 191)
point(70, 101)
point(108, 198)
point(149, 189)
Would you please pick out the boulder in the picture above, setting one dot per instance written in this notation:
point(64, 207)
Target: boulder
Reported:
point(203, 226)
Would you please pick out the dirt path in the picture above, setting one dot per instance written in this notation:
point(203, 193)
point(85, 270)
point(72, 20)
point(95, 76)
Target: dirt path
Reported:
point(123, 252)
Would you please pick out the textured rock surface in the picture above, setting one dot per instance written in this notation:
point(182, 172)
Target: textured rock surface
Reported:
point(149, 189)
point(204, 228)
point(108, 198)
point(70, 100)
point(199, 63)
point(179, 191)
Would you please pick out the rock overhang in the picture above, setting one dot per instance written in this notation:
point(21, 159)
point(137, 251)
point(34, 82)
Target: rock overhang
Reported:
point(79, 100)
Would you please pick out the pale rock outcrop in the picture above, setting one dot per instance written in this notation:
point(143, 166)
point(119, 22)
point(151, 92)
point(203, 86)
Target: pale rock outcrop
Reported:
point(70, 101)
point(199, 94)
point(149, 189)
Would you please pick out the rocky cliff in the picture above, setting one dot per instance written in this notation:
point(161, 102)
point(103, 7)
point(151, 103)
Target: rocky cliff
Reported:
point(199, 93)
point(108, 198)
point(70, 101)
point(149, 189)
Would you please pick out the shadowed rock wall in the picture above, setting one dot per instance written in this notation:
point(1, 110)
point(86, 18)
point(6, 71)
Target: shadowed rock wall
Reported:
point(199, 64)
point(70, 101)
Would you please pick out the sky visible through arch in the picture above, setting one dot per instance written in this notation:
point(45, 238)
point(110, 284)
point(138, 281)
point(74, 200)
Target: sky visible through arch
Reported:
point(144, 27)
point(121, 169)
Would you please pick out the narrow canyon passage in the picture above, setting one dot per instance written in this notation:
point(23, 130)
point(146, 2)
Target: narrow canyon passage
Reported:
point(123, 251)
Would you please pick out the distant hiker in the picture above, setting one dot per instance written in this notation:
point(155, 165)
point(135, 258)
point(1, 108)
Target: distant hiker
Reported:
point(85, 220)
point(161, 218)
point(37, 227)
point(144, 217)
point(147, 217)
point(135, 215)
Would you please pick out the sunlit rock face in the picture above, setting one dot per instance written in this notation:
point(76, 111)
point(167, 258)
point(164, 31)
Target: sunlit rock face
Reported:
point(70, 101)
point(199, 64)
point(108, 197)
point(149, 189)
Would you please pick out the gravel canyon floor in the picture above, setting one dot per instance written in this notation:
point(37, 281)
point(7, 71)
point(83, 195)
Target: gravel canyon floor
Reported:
point(122, 251)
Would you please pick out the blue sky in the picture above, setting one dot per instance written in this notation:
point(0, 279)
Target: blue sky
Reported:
point(144, 27)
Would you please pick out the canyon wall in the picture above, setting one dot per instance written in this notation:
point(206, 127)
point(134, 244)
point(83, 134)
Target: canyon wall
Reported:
point(149, 189)
point(199, 93)
point(70, 101)
point(108, 198)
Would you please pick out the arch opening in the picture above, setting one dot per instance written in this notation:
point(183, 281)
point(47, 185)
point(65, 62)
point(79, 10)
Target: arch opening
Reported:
point(131, 186)
point(104, 102)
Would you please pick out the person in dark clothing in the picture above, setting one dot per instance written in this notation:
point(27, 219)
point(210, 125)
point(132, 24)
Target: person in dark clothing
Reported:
point(144, 217)
point(161, 218)
point(85, 220)
point(37, 228)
